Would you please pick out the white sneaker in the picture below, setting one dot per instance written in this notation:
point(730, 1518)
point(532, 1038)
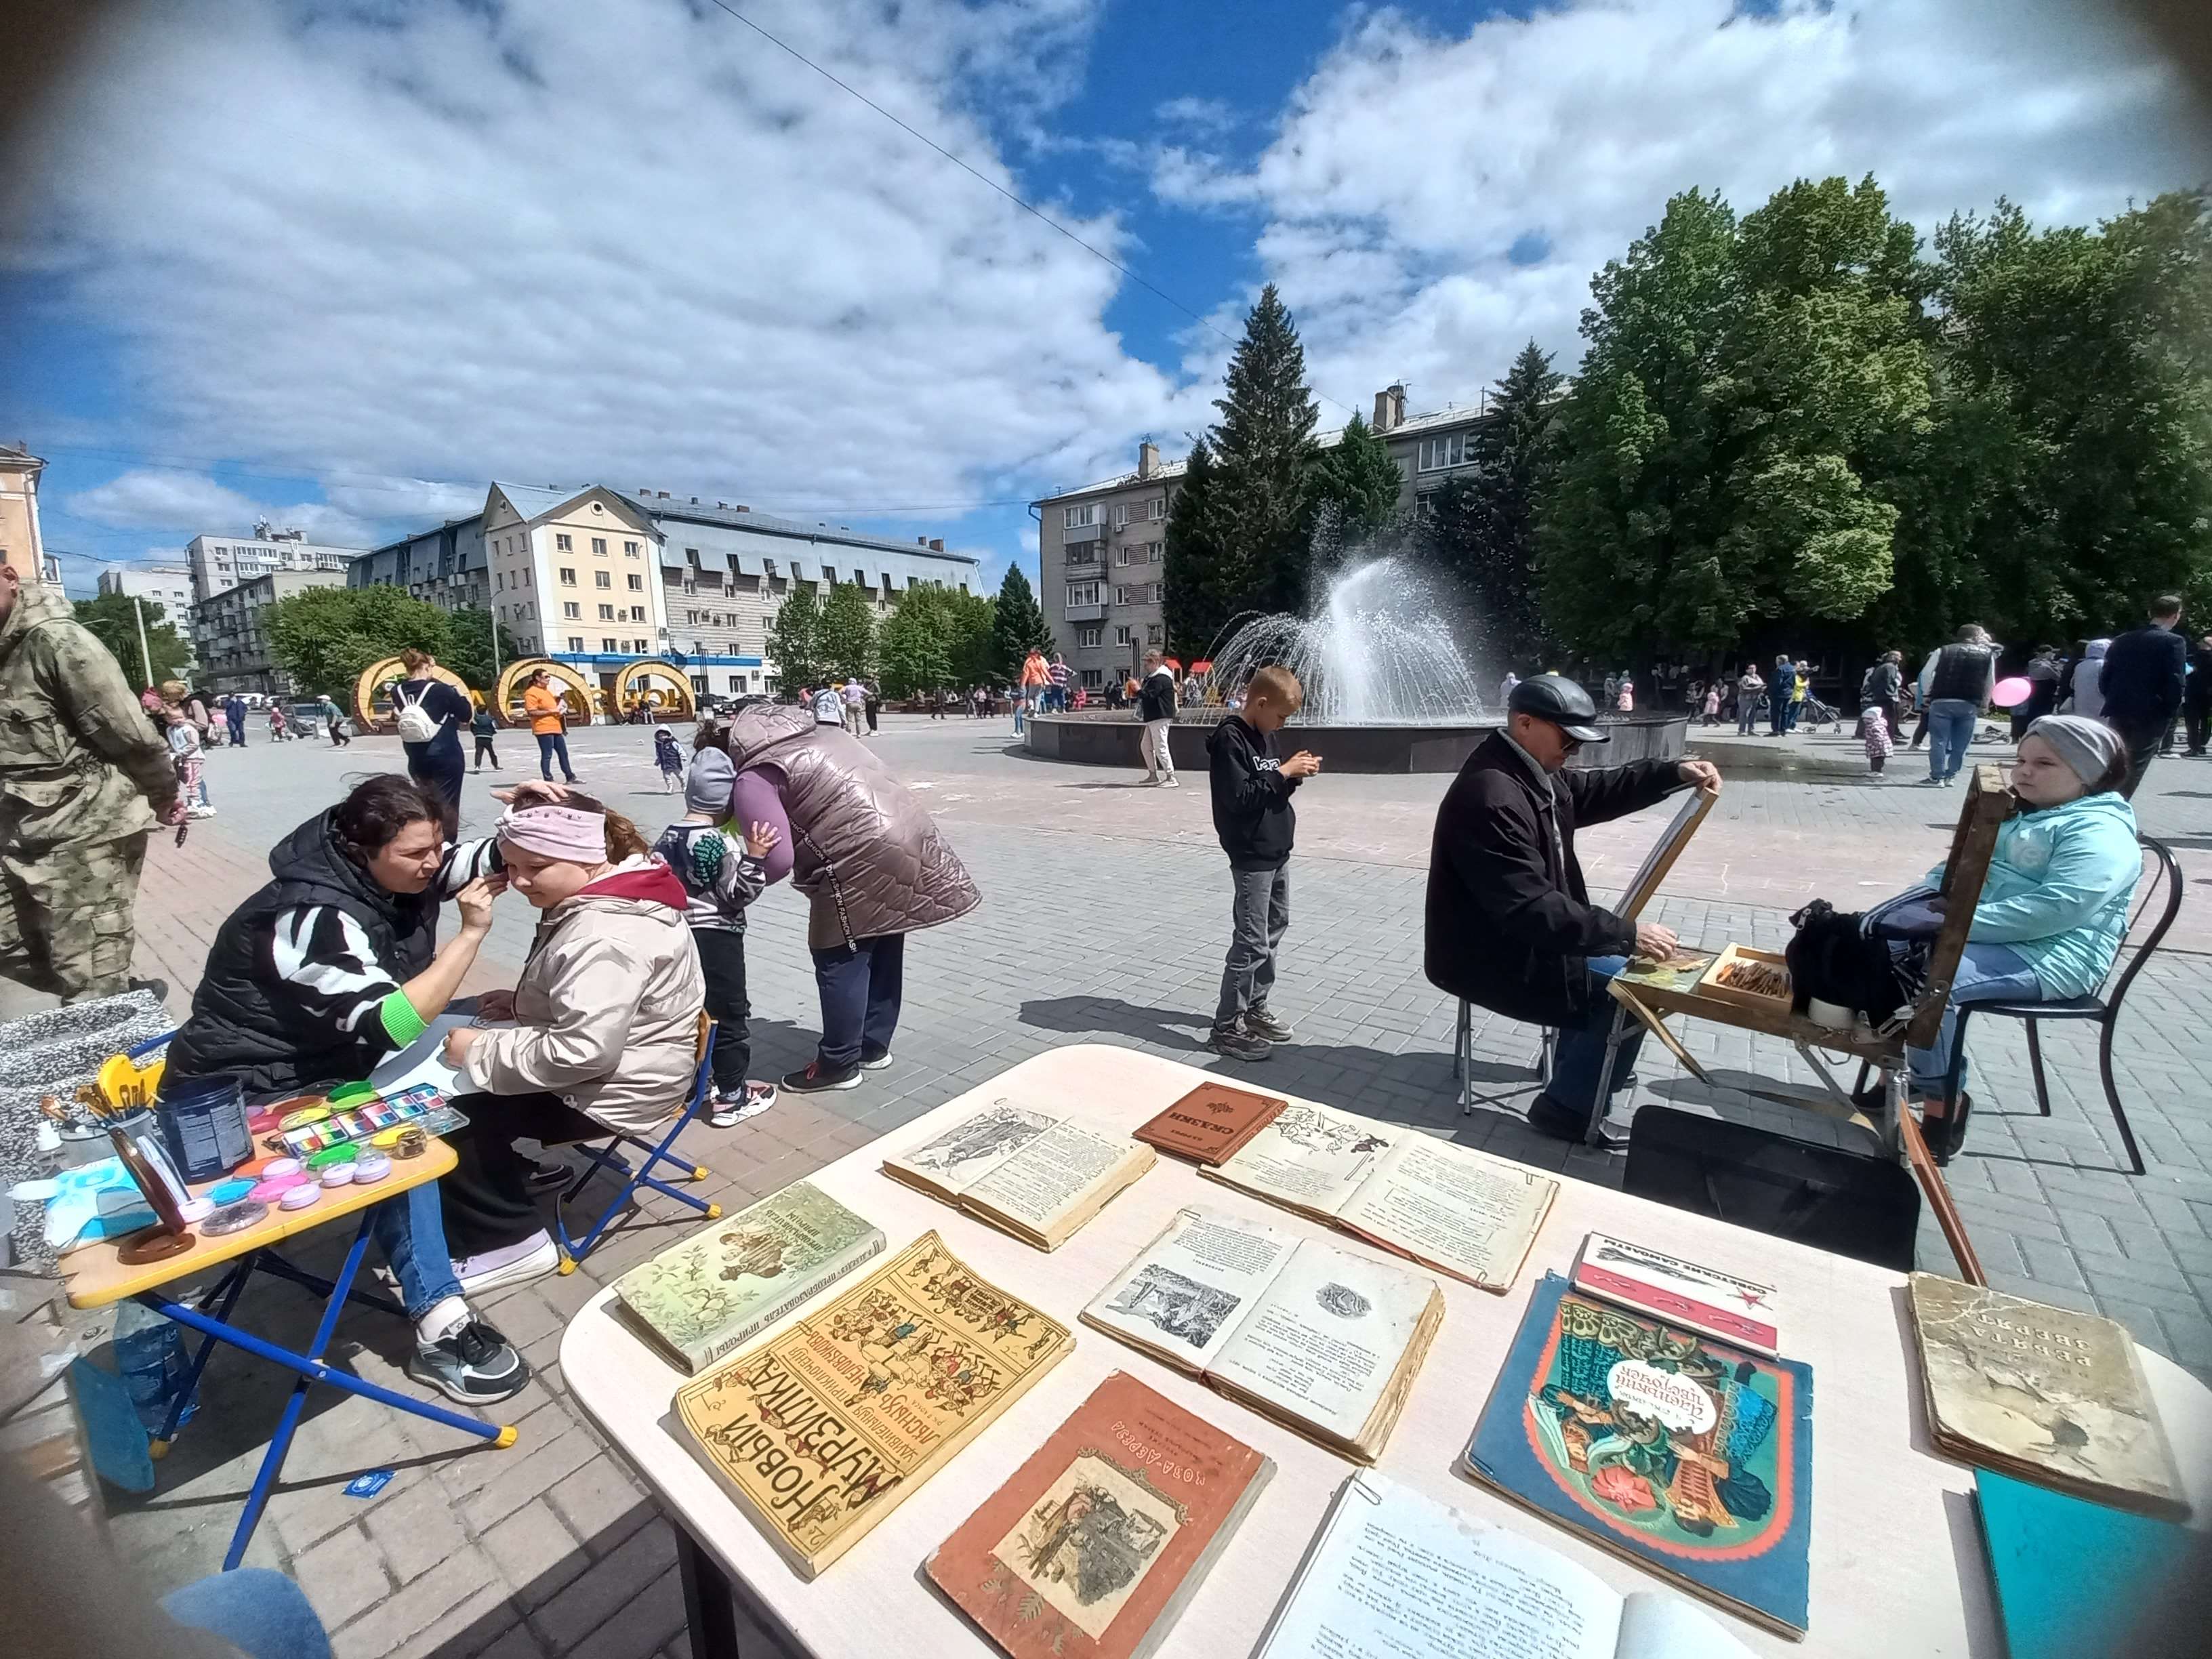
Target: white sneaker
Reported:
point(199, 811)
point(750, 1101)
point(533, 1258)
point(1170, 783)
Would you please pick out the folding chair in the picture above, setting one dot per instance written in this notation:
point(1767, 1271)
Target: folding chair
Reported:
point(609, 1157)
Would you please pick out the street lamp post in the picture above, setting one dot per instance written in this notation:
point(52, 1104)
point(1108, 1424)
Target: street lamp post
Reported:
point(145, 657)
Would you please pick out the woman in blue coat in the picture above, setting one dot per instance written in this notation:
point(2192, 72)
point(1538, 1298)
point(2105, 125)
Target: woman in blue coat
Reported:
point(2054, 909)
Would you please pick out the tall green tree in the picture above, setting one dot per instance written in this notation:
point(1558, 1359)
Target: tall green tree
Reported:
point(847, 633)
point(1482, 528)
point(936, 637)
point(1352, 494)
point(795, 639)
point(1730, 454)
point(326, 636)
point(1263, 452)
point(470, 653)
point(113, 618)
point(1196, 605)
point(1017, 625)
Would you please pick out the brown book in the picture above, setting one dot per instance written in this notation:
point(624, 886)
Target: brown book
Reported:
point(2045, 1394)
point(823, 1429)
point(1024, 1170)
point(1097, 1544)
point(1211, 1123)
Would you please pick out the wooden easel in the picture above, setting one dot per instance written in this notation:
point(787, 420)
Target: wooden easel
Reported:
point(1973, 844)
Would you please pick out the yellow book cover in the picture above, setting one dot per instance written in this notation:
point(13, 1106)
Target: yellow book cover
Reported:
point(822, 1430)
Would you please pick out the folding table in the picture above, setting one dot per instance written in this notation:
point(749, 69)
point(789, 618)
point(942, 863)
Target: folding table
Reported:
point(95, 1277)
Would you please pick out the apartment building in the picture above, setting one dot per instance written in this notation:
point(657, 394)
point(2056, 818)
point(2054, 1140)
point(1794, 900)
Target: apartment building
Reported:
point(574, 576)
point(445, 566)
point(21, 545)
point(1101, 548)
point(220, 563)
point(169, 585)
point(230, 641)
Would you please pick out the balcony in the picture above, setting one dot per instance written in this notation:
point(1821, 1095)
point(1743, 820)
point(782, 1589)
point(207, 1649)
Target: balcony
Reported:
point(1089, 533)
point(1083, 613)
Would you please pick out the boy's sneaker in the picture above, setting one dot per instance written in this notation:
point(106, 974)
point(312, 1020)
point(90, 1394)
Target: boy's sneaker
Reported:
point(1231, 1043)
point(874, 1062)
point(817, 1078)
point(749, 1099)
point(1259, 1023)
point(533, 1258)
point(476, 1365)
point(1170, 783)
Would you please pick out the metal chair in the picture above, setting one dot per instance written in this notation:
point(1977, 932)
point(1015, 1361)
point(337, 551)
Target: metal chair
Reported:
point(2104, 1010)
point(609, 1156)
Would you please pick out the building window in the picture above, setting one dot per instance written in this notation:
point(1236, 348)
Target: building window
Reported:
point(1159, 551)
point(1157, 508)
point(637, 613)
point(1090, 678)
point(600, 546)
point(1121, 553)
point(1079, 518)
point(602, 579)
point(1159, 592)
point(562, 545)
point(629, 550)
point(567, 575)
point(1090, 635)
point(1082, 593)
point(636, 582)
point(1125, 595)
point(576, 643)
point(499, 581)
point(609, 647)
point(1152, 634)
point(1121, 513)
point(737, 682)
point(606, 613)
point(1122, 635)
point(572, 609)
point(1437, 452)
point(692, 617)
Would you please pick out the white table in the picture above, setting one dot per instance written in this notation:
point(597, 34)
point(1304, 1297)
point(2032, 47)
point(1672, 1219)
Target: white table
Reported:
point(1898, 1566)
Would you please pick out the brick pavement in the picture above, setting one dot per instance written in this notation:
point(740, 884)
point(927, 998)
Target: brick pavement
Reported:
point(1104, 920)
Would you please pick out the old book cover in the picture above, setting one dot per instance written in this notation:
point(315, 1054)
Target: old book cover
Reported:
point(709, 1295)
point(2046, 1394)
point(1707, 1301)
point(1097, 1542)
point(1023, 1171)
point(1211, 1123)
point(823, 1429)
point(1685, 1455)
point(2072, 1577)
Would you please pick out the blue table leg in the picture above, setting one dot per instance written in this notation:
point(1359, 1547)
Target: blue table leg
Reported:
point(227, 1291)
point(268, 1262)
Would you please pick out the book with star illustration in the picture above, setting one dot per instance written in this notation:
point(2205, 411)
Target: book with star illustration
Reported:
point(1688, 1293)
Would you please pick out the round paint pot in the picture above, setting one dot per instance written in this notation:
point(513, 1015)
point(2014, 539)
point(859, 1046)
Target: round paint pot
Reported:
point(333, 1155)
point(234, 1217)
point(300, 1197)
point(196, 1210)
point(272, 1189)
point(229, 1192)
point(338, 1175)
point(384, 1139)
point(302, 1119)
point(370, 1167)
point(350, 1094)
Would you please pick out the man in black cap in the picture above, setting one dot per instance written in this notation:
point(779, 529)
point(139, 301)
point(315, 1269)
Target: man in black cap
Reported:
point(1510, 927)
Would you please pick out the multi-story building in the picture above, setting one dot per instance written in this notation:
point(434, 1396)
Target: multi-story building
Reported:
point(20, 544)
point(224, 562)
point(1101, 548)
point(445, 566)
point(229, 638)
point(168, 586)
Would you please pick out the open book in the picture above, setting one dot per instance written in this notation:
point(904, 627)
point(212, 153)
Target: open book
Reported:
point(1449, 1208)
point(1025, 1171)
point(1393, 1573)
point(1321, 1340)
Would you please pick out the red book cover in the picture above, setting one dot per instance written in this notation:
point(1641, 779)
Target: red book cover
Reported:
point(1094, 1546)
point(1211, 1123)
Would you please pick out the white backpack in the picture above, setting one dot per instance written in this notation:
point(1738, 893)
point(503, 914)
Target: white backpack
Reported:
point(415, 725)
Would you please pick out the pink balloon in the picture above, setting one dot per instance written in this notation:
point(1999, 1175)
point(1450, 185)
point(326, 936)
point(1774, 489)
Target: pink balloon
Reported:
point(2010, 694)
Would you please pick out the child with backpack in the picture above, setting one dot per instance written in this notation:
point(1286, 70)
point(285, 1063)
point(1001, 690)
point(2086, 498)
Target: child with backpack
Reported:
point(721, 875)
point(668, 758)
point(484, 728)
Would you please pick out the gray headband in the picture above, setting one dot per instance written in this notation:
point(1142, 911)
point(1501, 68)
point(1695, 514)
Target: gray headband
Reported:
point(2088, 747)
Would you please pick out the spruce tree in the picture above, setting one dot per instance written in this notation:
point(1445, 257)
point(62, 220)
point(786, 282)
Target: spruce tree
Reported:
point(1192, 569)
point(1263, 449)
point(1353, 494)
point(1483, 528)
point(1018, 625)
point(794, 642)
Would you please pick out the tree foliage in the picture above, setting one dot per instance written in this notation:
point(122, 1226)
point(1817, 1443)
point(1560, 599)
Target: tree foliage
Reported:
point(795, 639)
point(1352, 494)
point(1017, 625)
point(846, 635)
point(937, 637)
point(1196, 605)
point(326, 636)
point(470, 653)
point(113, 618)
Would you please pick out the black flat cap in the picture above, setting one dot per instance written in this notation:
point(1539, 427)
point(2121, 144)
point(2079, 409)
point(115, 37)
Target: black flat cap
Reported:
point(1553, 698)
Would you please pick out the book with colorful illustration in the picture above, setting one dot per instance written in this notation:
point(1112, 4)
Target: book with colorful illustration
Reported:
point(1687, 1454)
point(1710, 1302)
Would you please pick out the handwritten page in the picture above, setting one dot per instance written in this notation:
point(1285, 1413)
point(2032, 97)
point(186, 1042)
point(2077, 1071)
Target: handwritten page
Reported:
point(1188, 1291)
point(1470, 1214)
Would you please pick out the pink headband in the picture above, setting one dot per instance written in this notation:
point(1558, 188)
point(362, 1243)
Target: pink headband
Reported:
point(567, 833)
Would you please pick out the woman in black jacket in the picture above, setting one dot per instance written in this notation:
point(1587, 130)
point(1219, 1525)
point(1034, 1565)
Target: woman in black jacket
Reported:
point(437, 765)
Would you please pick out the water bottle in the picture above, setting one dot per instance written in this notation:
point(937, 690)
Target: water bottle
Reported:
point(150, 1357)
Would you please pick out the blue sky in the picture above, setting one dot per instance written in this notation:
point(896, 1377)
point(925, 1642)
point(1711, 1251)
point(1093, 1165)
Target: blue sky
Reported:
point(288, 261)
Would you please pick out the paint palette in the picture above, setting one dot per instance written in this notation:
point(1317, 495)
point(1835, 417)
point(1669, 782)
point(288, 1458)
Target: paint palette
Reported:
point(421, 1107)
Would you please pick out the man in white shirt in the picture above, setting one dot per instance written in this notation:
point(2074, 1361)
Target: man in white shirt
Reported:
point(856, 704)
point(829, 706)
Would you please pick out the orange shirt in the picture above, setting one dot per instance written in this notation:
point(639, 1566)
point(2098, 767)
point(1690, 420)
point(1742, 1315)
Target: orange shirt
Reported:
point(544, 706)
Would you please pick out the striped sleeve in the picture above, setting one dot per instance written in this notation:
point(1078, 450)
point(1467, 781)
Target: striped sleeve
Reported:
point(324, 960)
point(463, 862)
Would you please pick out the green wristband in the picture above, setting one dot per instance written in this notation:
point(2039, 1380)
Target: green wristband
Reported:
point(401, 1023)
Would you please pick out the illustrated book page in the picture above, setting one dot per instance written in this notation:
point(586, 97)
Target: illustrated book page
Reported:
point(1691, 1457)
point(949, 1164)
point(1093, 1547)
point(1333, 1346)
point(1311, 1158)
point(1452, 1208)
point(1056, 1181)
point(1211, 1123)
point(2045, 1392)
point(1707, 1301)
point(709, 1295)
point(823, 1428)
point(1394, 1575)
point(1186, 1292)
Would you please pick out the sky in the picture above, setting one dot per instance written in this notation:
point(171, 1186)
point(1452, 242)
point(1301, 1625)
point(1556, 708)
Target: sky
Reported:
point(340, 265)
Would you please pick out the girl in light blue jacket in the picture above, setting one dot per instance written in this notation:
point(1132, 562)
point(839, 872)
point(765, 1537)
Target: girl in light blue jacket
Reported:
point(2054, 909)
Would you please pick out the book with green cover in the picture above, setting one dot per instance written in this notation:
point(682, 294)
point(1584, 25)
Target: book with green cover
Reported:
point(720, 1288)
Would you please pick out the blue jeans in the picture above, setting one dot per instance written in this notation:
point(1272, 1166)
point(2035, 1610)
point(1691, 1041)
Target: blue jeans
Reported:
point(255, 1609)
point(862, 988)
point(1777, 711)
point(1747, 715)
point(1950, 729)
point(1579, 1055)
point(1987, 973)
point(410, 1230)
point(551, 743)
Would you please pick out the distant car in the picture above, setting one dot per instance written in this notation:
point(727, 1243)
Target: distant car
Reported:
point(306, 719)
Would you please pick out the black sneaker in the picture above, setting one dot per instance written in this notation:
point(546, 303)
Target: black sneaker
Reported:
point(817, 1078)
point(476, 1365)
point(549, 1176)
point(1259, 1023)
point(1231, 1043)
point(875, 1062)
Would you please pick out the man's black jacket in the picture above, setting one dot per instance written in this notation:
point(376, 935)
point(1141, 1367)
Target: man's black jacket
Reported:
point(1510, 921)
point(2142, 676)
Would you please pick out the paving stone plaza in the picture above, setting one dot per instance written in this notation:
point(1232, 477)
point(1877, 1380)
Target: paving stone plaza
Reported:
point(1104, 919)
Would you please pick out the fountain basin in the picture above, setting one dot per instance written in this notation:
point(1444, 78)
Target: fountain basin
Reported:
point(1109, 737)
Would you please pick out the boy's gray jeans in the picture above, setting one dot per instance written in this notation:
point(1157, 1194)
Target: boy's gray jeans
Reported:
point(1260, 911)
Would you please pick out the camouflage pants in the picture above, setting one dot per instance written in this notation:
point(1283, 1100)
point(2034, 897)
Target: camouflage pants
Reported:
point(66, 915)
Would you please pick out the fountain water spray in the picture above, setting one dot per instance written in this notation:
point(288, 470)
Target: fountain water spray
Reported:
point(1378, 651)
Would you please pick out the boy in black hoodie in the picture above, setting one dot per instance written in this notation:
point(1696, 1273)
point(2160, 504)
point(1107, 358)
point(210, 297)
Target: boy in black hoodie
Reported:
point(1252, 815)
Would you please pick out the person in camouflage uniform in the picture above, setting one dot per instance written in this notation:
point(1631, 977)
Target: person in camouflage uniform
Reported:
point(79, 767)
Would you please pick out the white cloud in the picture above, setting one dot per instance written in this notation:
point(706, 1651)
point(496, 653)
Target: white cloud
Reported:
point(163, 498)
point(1409, 166)
point(568, 241)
